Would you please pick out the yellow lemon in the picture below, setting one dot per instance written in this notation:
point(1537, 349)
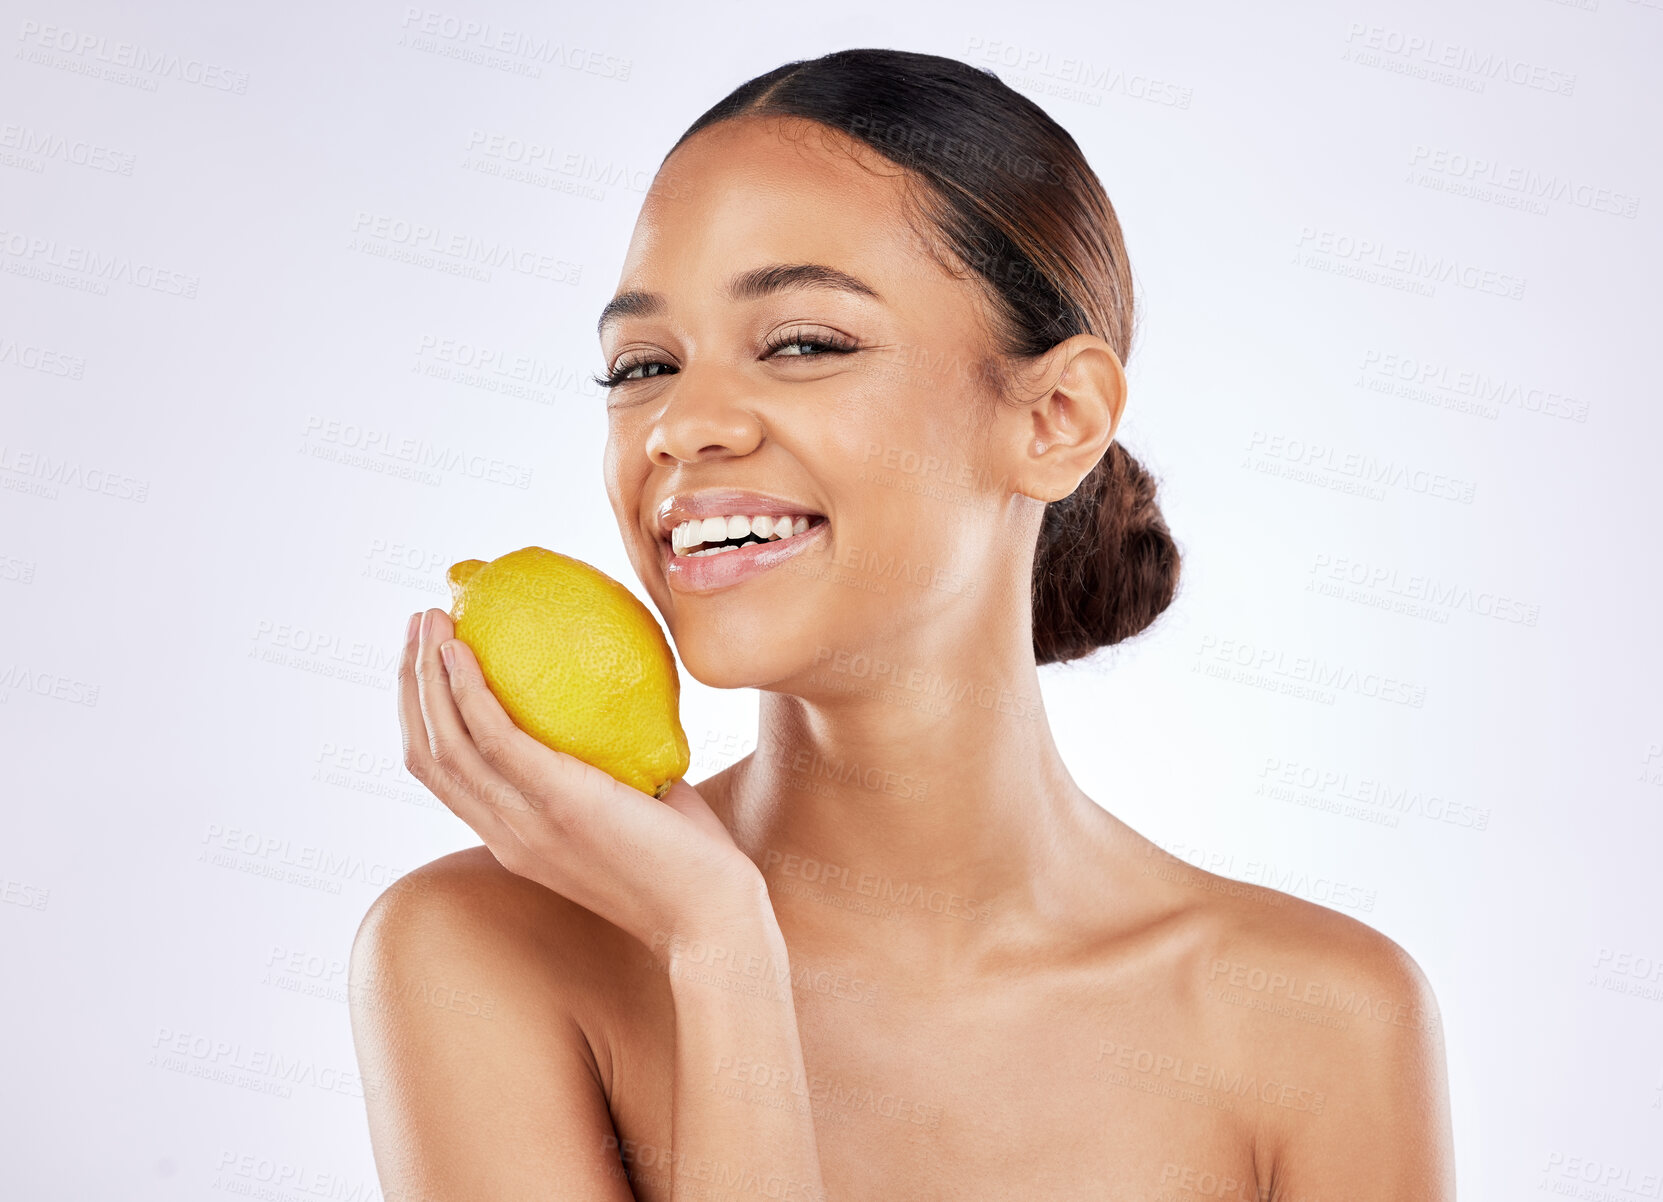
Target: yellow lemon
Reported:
point(579, 664)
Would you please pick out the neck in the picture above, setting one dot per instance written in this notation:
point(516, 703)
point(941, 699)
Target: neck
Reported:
point(926, 804)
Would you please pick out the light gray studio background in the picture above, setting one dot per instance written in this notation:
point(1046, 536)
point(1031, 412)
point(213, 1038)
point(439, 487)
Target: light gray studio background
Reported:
point(297, 307)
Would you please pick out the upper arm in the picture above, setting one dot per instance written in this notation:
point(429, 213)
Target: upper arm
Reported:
point(477, 1082)
point(1383, 1132)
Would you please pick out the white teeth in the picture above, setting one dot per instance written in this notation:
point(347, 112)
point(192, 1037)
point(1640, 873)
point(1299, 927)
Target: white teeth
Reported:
point(696, 532)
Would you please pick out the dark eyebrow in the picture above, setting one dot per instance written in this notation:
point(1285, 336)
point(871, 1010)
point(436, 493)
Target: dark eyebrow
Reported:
point(747, 285)
point(629, 304)
point(750, 285)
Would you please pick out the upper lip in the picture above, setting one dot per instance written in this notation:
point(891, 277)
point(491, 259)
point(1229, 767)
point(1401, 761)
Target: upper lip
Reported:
point(723, 502)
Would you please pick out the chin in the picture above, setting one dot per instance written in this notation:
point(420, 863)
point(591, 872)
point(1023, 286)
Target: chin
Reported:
point(720, 663)
point(755, 658)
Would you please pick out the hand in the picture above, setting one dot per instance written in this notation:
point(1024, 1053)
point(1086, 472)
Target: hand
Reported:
point(650, 867)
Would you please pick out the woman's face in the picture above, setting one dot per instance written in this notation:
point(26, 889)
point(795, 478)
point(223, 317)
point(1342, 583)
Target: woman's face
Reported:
point(789, 348)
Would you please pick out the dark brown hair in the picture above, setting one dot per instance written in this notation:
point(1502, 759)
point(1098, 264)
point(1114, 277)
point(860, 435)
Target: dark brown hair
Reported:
point(1014, 200)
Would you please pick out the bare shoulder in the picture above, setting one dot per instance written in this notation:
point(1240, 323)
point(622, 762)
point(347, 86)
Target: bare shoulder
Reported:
point(475, 1004)
point(1297, 957)
point(465, 910)
point(1278, 955)
point(1338, 1026)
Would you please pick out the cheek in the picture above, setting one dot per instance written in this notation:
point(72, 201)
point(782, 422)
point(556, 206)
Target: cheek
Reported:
point(888, 428)
point(916, 530)
point(625, 475)
point(917, 461)
point(624, 465)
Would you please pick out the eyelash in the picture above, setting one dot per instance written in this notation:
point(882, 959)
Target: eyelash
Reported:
point(834, 344)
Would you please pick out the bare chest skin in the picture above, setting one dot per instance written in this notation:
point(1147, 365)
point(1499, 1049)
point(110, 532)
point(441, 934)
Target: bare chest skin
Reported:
point(1090, 1080)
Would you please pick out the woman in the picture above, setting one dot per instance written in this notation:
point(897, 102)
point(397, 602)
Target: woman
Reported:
point(896, 952)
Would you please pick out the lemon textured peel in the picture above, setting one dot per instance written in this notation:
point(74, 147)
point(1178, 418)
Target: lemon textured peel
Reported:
point(577, 662)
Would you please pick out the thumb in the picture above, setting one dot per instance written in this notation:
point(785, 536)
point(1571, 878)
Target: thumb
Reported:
point(687, 801)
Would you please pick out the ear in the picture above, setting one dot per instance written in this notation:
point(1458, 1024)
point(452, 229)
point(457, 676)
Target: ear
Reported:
point(1079, 392)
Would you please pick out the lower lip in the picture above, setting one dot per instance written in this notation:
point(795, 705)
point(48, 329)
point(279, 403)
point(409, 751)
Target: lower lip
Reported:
point(702, 573)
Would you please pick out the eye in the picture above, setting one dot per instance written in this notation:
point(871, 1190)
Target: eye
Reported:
point(794, 343)
point(802, 344)
point(633, 369)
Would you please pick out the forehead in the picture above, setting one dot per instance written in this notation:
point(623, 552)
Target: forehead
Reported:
point(752, 190)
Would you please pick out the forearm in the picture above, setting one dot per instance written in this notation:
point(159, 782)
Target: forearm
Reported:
point(741, 1126)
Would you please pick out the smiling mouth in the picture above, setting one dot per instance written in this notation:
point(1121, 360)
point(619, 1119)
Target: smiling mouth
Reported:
point(717, 535)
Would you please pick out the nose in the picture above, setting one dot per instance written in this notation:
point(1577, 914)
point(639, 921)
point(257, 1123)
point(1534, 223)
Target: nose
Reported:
point(704, 417)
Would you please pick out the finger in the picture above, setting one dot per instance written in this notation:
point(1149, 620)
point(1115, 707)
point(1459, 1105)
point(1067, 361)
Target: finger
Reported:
point(690, 803)
point(418, 751)
point(581, 811)
point(455, 772)
point(412, 728)
point(559, 785)
point(582, 818)
point(418, 755)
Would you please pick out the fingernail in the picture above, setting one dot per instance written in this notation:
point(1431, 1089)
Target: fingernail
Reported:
point(412, 629)
point(448, 654)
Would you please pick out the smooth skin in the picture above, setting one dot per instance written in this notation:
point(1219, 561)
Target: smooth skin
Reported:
point(895, 952)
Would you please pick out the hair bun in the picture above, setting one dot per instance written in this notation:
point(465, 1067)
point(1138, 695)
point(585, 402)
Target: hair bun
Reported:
point(1106, 565)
